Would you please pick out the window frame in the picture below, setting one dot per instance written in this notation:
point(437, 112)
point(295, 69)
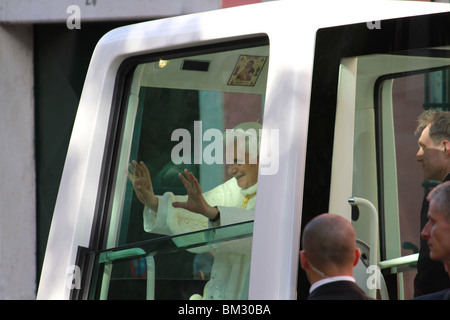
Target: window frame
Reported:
point(109, 170)
point(378, 109)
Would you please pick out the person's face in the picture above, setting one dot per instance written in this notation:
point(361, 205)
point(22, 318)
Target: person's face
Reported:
point(437, 234)
point(431, 156)
point(246, 173)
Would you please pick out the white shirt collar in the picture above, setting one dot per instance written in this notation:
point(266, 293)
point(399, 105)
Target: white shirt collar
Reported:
point(249, 190)
point(328, 280)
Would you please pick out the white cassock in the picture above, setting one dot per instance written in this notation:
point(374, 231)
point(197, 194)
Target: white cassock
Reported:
point(230, 271)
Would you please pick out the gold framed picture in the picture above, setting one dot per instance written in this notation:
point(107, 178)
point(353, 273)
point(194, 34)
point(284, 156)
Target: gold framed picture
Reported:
point(247, 70)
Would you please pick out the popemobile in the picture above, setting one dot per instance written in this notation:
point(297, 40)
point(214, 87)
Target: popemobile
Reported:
point(328, 91)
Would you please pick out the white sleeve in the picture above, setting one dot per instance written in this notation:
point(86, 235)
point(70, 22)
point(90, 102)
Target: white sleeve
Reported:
point(173, 221)
point(170, 221)
point(157, 222)
point(234, 215)
point(229, 203)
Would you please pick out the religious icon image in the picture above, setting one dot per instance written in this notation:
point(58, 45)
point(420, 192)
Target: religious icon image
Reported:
point(247, 70)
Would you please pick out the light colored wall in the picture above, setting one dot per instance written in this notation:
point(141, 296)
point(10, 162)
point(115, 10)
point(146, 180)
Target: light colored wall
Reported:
point(17, 166)
point(35, 11)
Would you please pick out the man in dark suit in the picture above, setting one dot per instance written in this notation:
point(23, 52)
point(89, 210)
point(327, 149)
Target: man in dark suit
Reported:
point(434, 156)
point(440, 295)
point(328, 256)
point(436, 233)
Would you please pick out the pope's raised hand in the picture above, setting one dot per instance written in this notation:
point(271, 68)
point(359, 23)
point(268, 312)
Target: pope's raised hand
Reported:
point(139, 176)
point(195, 202)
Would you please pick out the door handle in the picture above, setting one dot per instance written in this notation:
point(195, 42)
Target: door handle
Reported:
point(123, 254)
point(355, 201)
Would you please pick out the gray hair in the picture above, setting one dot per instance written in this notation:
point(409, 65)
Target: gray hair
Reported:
point(441, 197)
point(439, 122)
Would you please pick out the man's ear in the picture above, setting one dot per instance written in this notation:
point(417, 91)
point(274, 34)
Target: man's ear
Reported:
point(446, 145)
point(304, 262)
point(357, 256)
point(447, 267)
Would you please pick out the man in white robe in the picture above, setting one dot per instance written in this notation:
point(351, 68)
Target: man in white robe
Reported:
point(229, 203)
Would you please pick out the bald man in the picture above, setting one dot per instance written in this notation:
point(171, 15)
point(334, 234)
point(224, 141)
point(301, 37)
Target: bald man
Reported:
point(328, 256)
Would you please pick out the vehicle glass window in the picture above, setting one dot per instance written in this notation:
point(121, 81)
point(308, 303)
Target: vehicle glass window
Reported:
point(385, 170)
point(380, 98)
point(371, 81)
point(200, 111)
point(412, 94)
